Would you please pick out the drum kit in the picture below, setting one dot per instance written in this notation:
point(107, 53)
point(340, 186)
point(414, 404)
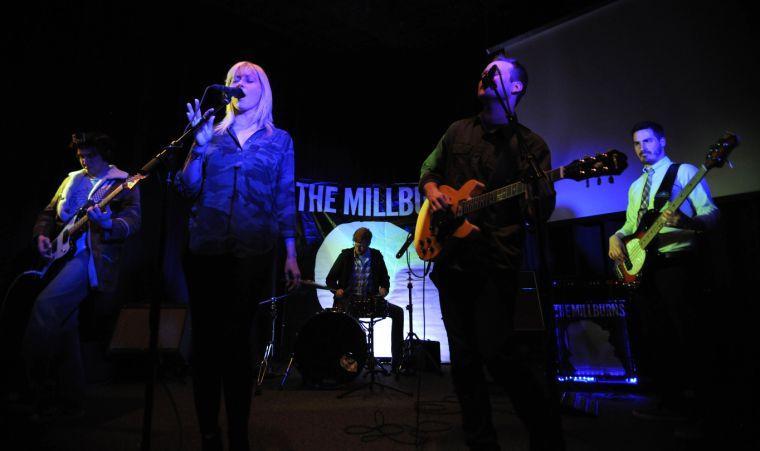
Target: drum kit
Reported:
point(330, 349)
point(335, 345)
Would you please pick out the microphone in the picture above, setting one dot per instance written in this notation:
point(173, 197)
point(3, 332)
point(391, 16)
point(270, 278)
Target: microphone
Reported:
point(488, 78)
point(229, 90)
point(403, 249)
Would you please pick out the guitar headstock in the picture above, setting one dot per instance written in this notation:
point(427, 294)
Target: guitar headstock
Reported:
point(612, 162)
point(717, 154)
point(134, 180)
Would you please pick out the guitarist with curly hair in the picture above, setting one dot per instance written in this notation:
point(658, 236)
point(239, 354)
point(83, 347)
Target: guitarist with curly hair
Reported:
point(51, 341)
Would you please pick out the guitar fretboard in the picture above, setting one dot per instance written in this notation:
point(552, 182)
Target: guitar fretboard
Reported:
point(659, 223)
point(503, 193)
point(77, 226)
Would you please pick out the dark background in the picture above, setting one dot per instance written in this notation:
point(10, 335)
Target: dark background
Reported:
point(365, 88)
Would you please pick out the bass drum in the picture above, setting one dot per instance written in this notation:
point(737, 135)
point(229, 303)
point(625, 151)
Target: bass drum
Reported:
point(330, 349)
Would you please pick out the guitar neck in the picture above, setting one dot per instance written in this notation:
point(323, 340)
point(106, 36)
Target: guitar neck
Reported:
point(659, 223)
point(503, 193)
point(81, 222)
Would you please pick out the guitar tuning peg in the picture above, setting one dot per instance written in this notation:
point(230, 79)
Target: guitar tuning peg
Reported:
point(611, 179)
point(598, 180)
point(587, 184)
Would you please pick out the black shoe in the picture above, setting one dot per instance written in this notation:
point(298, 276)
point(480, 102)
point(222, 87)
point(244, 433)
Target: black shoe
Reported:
point(212, 442)
point(54, 412)
point(693, 431)
point(662, 414)
point(72, 412)
point(44, 414)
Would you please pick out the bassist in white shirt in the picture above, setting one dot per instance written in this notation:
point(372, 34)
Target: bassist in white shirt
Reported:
point(667, 298)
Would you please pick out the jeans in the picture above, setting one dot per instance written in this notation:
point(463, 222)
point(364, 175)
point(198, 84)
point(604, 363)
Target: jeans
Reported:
point(51, 341)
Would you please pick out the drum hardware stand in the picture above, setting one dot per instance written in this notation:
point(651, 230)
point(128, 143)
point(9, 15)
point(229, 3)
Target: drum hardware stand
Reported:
point(371, 365)
point(407, 347)
point(287, 371)
point(306, 283)
point(264, 368)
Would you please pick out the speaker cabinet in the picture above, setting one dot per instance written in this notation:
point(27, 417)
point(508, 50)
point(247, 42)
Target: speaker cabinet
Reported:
point(132, 331)
point(591, 332)
point(424, 355)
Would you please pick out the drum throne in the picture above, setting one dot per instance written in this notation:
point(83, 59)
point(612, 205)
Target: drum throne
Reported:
point(369, 311)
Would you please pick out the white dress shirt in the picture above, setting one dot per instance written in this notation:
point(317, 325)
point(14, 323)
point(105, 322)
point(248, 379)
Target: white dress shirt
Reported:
point(699, 205)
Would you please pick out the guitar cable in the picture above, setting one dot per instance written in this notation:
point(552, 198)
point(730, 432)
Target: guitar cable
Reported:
point(10, 289)
point(396, 432)
point(419, 443)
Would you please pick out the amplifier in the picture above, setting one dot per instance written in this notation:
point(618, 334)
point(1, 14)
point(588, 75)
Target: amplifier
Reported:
point(422, 355)
point(132, 331)
point(591, 334)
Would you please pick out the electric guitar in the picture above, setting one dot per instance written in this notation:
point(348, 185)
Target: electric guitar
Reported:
point(64, 243)
point(652, 222)
point(433, 229)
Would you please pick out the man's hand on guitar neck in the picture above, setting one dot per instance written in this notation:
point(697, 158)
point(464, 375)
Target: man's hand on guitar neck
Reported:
point(679, 220)
point(101, 217)
point(617, 250)
point(44, 247)
point(673, 218)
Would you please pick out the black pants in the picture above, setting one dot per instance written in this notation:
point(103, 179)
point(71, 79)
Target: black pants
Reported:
point(477, 310)
point(666, 345)
point(396, 314)
point(223, 294)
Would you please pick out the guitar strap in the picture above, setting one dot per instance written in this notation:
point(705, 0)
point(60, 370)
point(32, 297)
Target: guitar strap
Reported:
point(665, 191)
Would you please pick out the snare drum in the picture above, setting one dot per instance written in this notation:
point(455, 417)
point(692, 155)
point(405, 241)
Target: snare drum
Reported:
point(330, 349)
point(368, 307)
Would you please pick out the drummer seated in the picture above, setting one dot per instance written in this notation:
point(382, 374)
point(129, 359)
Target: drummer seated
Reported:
point(359, 272)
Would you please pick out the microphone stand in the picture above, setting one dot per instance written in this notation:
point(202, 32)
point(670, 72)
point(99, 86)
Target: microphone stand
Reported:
point(154, 315)
point(536, 173)
point(545, 189)
point(411, 337)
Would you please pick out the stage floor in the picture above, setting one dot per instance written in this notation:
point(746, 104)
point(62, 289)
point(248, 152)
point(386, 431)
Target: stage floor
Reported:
point(300, 418)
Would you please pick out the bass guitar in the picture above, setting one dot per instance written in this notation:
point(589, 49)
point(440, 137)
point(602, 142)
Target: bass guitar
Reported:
point(64, 242)
point(433, 229)
point(629, 270)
